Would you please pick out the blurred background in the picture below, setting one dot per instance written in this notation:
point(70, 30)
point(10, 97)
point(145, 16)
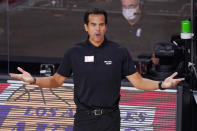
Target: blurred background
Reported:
point(35, 32)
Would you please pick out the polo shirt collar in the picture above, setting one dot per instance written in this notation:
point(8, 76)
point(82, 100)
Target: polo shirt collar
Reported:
point(91, 45)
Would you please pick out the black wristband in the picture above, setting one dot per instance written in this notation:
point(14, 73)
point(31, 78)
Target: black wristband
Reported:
point(34, 82)
point(160, 87)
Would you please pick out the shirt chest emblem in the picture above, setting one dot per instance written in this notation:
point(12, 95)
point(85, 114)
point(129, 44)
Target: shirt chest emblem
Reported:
point(89, 59)
point(109, 62)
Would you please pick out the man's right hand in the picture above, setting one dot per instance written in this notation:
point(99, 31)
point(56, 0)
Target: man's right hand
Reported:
point(24, 76)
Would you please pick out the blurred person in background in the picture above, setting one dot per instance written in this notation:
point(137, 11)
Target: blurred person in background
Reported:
point(131, 11)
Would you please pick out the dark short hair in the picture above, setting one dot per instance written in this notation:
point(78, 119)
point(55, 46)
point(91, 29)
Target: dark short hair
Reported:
point(94, 11)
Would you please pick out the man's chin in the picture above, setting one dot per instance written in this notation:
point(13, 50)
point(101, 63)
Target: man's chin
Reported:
point(99, 41)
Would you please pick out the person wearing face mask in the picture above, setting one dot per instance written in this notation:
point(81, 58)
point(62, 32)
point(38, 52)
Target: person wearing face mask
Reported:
point(132, 13)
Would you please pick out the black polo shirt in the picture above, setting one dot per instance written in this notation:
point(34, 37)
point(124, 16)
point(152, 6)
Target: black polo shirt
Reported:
point(97, 72)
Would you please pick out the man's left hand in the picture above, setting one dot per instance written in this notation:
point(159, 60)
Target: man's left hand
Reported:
point(170, 81)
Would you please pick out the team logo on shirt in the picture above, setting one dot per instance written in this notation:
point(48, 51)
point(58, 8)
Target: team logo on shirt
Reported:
point(89, 59)
point(109, 62)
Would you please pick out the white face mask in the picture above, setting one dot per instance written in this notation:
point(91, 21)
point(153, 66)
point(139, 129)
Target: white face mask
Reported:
point(129, 14)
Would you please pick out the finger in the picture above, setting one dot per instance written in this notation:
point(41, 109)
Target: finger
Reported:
point(21, 70)
point(12, 74)
point(180, 79)
point(17, 76)
point(173, 75)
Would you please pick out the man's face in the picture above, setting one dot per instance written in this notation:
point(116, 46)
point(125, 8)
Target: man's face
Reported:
point(96, 28)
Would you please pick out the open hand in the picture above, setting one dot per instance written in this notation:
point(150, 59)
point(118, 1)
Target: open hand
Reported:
point(24, 76)
point(170, 81)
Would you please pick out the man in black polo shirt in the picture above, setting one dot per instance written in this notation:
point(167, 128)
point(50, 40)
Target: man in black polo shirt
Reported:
point(98, 65)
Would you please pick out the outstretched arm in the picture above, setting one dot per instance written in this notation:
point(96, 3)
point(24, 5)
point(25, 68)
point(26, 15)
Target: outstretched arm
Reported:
point(47, 82)
point(146, 84)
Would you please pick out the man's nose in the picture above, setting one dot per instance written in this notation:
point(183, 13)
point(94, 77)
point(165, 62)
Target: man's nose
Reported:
point(98, 28)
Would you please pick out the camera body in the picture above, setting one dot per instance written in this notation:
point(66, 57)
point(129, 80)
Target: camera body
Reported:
point(172, 57)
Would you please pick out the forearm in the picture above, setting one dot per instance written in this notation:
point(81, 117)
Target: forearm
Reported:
point(142, 83)
point(46, 82)
point(147, 84)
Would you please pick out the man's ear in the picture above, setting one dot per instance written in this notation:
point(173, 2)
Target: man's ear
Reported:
point(86, 27)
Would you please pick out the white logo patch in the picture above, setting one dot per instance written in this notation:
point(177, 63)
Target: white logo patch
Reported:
point(108, 62)
point(89, 59)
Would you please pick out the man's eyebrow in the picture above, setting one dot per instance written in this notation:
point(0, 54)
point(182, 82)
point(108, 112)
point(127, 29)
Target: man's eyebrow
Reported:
point(93, 23)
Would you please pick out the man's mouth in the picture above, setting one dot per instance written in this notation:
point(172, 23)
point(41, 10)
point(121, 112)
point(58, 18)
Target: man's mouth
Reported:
point(98, 34)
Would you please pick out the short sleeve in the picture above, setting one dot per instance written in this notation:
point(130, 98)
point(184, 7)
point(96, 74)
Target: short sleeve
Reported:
point(65, 68)
point(128, 65)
